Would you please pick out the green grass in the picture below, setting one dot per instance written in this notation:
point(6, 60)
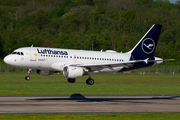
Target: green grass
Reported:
point(121, 84)
point(124, 116)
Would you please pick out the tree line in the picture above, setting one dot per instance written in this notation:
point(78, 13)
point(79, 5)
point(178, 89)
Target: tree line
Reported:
point(88, 24)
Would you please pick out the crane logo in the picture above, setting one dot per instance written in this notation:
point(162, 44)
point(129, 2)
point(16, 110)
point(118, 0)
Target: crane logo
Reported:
point(148, 45)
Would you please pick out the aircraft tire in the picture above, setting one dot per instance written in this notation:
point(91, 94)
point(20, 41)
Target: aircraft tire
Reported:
point(27, 78)
point(90, 81)
point(71, 80)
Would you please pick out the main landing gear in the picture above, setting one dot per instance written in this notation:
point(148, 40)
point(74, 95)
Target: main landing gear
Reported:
point(89, 81)
point(71, 80)
point(28, 73)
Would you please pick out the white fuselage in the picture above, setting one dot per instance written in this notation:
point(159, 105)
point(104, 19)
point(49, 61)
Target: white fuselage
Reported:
point(56, 59)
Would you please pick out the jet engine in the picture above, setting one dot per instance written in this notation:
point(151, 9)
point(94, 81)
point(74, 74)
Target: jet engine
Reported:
point(45, 72)
point(72, 72)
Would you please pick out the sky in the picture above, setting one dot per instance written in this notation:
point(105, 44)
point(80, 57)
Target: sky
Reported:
point(172, 1)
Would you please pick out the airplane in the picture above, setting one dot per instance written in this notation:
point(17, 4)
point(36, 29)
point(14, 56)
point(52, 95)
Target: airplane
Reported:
point(77, 63)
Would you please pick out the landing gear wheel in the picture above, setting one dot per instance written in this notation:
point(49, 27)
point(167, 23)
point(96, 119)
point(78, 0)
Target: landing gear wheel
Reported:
point(27, 78)
point(90, 81)
point(71, 80)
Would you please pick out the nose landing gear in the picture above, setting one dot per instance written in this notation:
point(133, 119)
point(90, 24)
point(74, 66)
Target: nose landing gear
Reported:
point(28, 73)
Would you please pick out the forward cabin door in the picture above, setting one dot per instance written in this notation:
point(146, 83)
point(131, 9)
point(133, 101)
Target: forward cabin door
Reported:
point(33, 55)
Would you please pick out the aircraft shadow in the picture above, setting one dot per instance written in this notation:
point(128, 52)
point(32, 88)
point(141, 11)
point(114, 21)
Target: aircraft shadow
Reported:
point(81, 98)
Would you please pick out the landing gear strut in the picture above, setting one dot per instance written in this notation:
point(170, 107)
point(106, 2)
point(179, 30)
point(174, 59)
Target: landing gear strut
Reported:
point(71, 80)
point(90, 81)
point(28, 73)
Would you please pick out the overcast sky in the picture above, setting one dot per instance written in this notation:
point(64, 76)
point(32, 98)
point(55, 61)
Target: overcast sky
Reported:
point(172, 1)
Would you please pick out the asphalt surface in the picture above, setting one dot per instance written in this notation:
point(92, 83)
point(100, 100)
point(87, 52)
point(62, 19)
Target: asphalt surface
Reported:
point(78, 103)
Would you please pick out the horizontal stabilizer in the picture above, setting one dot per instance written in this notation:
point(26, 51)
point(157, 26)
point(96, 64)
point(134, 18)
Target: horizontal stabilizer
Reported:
point(156, 60)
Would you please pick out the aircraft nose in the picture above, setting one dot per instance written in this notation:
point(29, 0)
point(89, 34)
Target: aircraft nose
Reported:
point(7, 60)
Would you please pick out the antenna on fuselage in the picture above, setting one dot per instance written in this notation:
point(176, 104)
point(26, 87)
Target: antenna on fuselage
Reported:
point(31, 45)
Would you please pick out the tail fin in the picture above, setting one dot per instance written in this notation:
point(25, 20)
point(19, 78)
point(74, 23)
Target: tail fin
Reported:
point(146, 47)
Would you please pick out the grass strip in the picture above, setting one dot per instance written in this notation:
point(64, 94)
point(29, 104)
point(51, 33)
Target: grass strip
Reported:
point(112, 84)
point(124, 116)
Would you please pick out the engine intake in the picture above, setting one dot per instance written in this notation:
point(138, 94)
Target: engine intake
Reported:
point(72, 72)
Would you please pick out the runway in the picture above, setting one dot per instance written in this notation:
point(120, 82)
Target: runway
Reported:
point(78, 103)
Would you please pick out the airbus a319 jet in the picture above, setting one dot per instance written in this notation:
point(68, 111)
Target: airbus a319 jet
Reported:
point(76, 63)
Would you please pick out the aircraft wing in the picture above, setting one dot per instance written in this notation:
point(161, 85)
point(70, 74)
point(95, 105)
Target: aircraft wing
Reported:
point(107, 65)
point(97, 66)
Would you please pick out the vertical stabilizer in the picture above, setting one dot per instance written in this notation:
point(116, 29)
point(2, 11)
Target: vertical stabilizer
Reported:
point(146, 47)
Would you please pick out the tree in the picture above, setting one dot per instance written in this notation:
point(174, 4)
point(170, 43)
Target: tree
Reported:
point(57, 12)
point(1, 47)
point(73, 18)
point(90, 2)
point(42, 18)
point(64, 4)
point(178, 4)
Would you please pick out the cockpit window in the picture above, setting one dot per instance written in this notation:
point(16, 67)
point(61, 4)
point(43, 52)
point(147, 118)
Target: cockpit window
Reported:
point(18, 53)
point(14, 52)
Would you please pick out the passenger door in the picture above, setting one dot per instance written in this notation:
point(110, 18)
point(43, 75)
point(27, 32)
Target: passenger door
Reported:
point(33, 55)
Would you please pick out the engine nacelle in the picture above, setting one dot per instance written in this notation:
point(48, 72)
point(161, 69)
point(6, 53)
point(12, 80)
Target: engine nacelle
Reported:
point(73, 72)
point(44, 72)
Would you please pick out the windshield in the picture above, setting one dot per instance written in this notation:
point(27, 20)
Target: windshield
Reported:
point(17, 53)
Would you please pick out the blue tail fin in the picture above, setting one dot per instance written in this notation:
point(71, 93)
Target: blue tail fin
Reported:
point(146, 47)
